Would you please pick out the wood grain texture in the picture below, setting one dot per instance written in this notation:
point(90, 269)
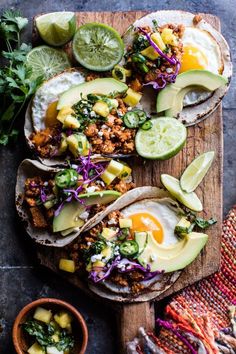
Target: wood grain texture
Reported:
point(205, 136)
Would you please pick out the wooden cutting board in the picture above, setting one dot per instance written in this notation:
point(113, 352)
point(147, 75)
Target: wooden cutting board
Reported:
point(205, 136)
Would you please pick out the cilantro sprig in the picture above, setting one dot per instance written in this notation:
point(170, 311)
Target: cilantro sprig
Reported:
point(16, 87)
point(43, 334)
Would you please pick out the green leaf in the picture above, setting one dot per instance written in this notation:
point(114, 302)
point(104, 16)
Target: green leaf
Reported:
point(9, 113)
point(18, 55)
point(21, 22)
point(203, 224)
point(4, 139)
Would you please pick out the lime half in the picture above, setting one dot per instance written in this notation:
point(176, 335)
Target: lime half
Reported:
point(97, 46)
point(195, 172)
point(190, 200)
point(47, 62)
point(165, 139)
point(56, 28)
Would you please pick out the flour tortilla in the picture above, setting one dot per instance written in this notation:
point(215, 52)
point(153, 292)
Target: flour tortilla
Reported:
point(153, 287)
point(31, 168)
point(192, 114)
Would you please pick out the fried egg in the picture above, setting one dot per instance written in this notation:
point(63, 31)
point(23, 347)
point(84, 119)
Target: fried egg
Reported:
point(44, 105)
point(156, 216)
point(202, 52)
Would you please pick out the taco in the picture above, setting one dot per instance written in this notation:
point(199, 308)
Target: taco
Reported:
point(69, 117)
point(135, 249)
point(180, 58)
point(58, 204)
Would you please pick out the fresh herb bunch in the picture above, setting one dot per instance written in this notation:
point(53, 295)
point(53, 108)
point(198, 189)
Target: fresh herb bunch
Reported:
point(43, 334)
point(16, 87)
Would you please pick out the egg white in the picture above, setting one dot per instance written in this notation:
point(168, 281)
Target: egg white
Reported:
point(203, 41)
point(49, 92)
point(161, 211)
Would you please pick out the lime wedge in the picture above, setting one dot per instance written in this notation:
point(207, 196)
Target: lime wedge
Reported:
point(56, 28)
point(190, 200)
point(165, 139)
point(195, 172)
point(47, 62)
point(97, 46)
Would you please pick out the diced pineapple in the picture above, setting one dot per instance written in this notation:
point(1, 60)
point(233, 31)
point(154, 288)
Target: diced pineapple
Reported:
point(36, 349)
point(101, 108)
point(108, 233)
point(99, 264)
point(126, 172)
point(63, 113)
point(55, 337)
point(150, 53)
point(63, 145)
point(182, 228)
point(125, 223)
point(78, 144)
point(63, 318)
point(54, 350)
point(107, 177)
point(156, 37)
point(71, 122)
point(67, 265)
point(132, 97)
point(42, 314)
point(107, 252)
point(115, 167)
point(168, 37)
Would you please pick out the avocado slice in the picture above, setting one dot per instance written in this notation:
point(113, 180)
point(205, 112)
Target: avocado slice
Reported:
point(68, 217)
point(166, 98)
point(178, 101)
point(104, 86)
point(174, 257)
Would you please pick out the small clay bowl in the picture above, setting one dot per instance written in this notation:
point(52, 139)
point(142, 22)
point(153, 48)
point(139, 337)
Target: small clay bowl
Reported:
point(22, 340)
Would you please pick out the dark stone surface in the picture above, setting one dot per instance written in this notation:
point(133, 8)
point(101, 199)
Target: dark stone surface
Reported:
point(21, 280)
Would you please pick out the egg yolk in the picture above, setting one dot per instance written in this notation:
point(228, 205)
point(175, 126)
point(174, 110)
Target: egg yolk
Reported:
point(51, 115)
point(193, 58)
point(147, 222)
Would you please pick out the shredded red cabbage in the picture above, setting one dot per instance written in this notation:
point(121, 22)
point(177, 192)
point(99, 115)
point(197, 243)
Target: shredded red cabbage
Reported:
point(172, 60)
point(43, 195)
point(170, 327)
point(162, 79)
point(122, 266)
point(90, 171)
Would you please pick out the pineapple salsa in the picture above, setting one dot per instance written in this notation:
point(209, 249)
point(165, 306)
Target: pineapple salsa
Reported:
point(91, 119)
point(51, 333)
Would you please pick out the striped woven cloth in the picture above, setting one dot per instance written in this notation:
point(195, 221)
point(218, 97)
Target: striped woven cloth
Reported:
point(201, 318)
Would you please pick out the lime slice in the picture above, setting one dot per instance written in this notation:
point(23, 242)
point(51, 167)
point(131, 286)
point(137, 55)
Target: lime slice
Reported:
point(195, 172)
point(97, 46)
point(165, 139)
point(190, 200)
point(56, 28)
point(47, 62)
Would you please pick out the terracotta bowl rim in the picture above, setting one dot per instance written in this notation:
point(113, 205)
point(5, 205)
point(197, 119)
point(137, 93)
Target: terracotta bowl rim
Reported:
point(47, 300)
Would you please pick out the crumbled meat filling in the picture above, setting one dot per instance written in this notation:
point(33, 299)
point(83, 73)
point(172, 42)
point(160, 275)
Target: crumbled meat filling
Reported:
point(46, 141)
point(197, 18)
point(111, 137)
point(38, 219)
